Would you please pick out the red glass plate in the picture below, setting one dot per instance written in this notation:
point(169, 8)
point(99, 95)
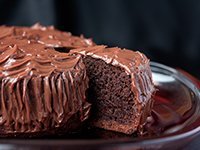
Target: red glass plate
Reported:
point(175, 120)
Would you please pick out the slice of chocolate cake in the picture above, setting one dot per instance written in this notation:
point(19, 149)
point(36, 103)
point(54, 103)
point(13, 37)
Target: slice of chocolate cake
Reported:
point(42, 91)
point(120, 87)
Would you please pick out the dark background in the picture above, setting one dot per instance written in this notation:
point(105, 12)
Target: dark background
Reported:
point(167, 31)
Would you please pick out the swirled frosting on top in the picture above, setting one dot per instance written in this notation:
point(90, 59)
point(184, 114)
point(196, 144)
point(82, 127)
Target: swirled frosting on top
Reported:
point(41, 88)
point(47, 36)
point(26, 50)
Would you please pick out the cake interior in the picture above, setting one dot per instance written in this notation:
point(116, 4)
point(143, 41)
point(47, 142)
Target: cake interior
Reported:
point(110, 93)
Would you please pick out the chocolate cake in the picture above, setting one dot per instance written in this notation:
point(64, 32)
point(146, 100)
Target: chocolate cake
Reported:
point(42, 90)
point(120, 87)
point(44, 78)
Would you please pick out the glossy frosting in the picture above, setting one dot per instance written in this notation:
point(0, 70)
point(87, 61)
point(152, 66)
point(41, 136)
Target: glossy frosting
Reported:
point(41, 88)
point(47, 36)
point(137, 66)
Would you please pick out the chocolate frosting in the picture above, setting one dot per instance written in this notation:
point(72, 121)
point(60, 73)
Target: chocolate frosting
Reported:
point(41, 88)
point(47, 36)
point(137, 66)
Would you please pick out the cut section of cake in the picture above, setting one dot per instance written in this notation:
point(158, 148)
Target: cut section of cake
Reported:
point(120, 87)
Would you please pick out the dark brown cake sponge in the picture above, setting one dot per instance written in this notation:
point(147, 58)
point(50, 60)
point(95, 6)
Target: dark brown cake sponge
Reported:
point(120, 87)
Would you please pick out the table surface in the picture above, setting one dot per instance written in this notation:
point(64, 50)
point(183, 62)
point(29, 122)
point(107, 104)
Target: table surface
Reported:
point(194, 145)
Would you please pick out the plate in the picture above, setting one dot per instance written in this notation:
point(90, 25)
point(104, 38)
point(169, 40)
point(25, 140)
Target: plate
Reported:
point(175, 121)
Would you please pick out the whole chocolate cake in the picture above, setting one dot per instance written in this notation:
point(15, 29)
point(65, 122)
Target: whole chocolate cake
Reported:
point(41, 89)
point(44, 78)
point(120, 87)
